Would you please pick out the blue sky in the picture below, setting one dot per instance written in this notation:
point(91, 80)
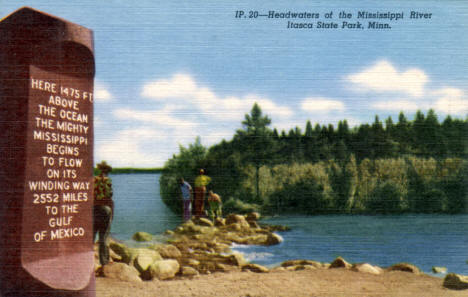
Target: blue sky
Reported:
point(167, 72)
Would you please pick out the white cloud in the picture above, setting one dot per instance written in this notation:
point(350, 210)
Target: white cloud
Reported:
point(451, 101)
point(101, 92)
point(320, 104)
point(384, 77)
point(126, 149)
point(182, 88)
point(179, 85)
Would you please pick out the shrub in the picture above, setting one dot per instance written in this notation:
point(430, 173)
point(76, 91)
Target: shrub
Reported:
point(386, 199)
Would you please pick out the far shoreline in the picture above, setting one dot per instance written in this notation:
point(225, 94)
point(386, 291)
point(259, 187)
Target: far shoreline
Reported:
point(126, 170)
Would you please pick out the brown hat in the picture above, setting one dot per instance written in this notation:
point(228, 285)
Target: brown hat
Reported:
point(104, 167)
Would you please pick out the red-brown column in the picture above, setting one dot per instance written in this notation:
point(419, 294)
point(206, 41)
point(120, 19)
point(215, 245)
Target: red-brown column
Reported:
point(46, 156)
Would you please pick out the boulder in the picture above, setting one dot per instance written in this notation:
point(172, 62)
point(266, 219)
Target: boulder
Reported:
point(302, 262)
point(236, 227)
point(237, 219)
point(253, 216)
point(189, 271)
point(114, 256)
point(122, 251)
point(167, 251)
point(220, 267)
point(204, 222)
point(220, 222)
point(142, 236)
point(273, 228)
point(258, 239)
point(234, 218)
point(121, 272)
point(456, 282)
point(253, 224)
point(255, 268)
point(405, 267)
point(222, 248)
point(273, 239)
point(309, 267)
point(163, 269)
point(340, 263)
point(367, 268)
point(144, 258)
point(436, 269)
point(236, 259)
point(193, 262)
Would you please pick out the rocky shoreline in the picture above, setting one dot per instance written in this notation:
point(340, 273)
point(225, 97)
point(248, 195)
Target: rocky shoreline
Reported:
point(201, 247)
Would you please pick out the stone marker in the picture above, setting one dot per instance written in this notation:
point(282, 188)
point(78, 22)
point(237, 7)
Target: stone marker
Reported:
point(46, 156)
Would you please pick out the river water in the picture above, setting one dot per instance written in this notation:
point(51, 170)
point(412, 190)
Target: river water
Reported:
point(423, 240)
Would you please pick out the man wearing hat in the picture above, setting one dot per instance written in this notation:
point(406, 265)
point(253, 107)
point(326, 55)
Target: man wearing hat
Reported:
point(201, 181)
point(103, 209)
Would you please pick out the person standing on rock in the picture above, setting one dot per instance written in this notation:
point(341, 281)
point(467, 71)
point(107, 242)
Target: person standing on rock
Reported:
point(201, 181)
point(215, 205)
point(186, 191)
point(103, 209)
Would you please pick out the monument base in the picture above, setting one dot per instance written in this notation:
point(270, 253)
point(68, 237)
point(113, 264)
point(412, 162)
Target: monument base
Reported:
point(37, 289)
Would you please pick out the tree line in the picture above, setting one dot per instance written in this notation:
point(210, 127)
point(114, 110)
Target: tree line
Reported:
point(408, 166)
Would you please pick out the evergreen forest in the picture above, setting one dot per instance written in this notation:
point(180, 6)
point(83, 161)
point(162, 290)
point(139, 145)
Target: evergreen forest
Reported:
point(411, 166)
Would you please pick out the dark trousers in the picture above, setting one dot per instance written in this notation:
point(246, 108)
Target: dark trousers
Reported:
point(102, 224)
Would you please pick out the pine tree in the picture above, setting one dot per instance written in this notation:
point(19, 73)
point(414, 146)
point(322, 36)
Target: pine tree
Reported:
point(256, 141)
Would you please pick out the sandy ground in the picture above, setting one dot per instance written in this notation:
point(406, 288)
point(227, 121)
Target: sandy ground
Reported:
point(307, 283)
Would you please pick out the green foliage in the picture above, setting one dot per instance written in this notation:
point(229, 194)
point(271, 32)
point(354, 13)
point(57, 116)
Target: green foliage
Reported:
point(414, 166)
point(255, 141)
point(238, 206)
point(305, 196)
point(342, 178)
point(386, 198)
point(184, 165)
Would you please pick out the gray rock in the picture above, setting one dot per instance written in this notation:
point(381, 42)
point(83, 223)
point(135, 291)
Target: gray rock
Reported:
point(405, 267)
point(122, 251)
point(302, 262)
point(142, 236)
point(273, 239)
point(237, 259)
point(255, 268)
point(237, 219)
point(121, 272)
point(367, 268)
point(340, 263)
point(456, 282)
point(164, 269)
point(253, 216)
point(189, 271)
point(144, 258)
point(253, 224)
point(204, 222)
point(437, 269)
point(167, 251)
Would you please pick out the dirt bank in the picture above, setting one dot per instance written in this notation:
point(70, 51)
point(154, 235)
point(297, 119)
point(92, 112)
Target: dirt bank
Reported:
point(321, 282)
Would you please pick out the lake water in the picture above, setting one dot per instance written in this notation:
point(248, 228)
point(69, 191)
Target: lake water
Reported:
point(423, 240)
